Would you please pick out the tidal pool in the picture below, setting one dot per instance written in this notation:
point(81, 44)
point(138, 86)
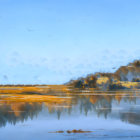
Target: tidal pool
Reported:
point(105, 115)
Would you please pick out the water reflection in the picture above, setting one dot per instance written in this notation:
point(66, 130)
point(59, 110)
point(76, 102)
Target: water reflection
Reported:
point(122, 106)
point(18, 112)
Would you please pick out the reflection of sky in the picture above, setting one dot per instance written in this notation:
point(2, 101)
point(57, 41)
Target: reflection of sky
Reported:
point(38, 125)
point(38, 128)
point(54, 41)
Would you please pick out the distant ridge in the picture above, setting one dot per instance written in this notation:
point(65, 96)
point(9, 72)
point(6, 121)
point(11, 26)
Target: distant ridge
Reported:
point(126, 77)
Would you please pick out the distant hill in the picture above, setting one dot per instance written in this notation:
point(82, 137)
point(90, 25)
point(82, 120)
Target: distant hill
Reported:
point(130, 73)
point(126, 77)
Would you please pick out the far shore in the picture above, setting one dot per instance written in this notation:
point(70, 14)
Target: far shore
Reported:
point(53, 89)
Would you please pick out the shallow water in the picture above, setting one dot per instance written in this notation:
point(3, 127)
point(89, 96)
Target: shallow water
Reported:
point(107, 115)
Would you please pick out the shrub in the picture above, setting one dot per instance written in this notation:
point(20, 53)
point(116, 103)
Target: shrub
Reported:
point(137, 63)
point(116, 86)
point(136, 80)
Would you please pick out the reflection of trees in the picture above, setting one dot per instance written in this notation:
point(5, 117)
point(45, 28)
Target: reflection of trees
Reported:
point(131, 117)
point(100, 104)
point(18, 112)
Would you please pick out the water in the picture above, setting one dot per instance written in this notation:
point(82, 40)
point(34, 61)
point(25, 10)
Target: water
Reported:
point(107, 115)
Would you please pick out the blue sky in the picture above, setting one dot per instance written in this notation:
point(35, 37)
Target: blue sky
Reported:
point(53, 41)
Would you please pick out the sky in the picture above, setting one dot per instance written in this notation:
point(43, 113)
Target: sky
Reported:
point(54, 41)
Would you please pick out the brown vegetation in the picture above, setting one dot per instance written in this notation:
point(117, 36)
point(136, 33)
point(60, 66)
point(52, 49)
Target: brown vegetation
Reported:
point(72, 131)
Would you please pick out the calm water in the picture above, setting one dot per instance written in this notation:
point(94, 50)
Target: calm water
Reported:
point(107, 115)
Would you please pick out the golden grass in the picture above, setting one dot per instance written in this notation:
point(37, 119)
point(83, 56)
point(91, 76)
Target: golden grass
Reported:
point(33, 89)
point(102, 80)
point(130, 84)
point(32, 98)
